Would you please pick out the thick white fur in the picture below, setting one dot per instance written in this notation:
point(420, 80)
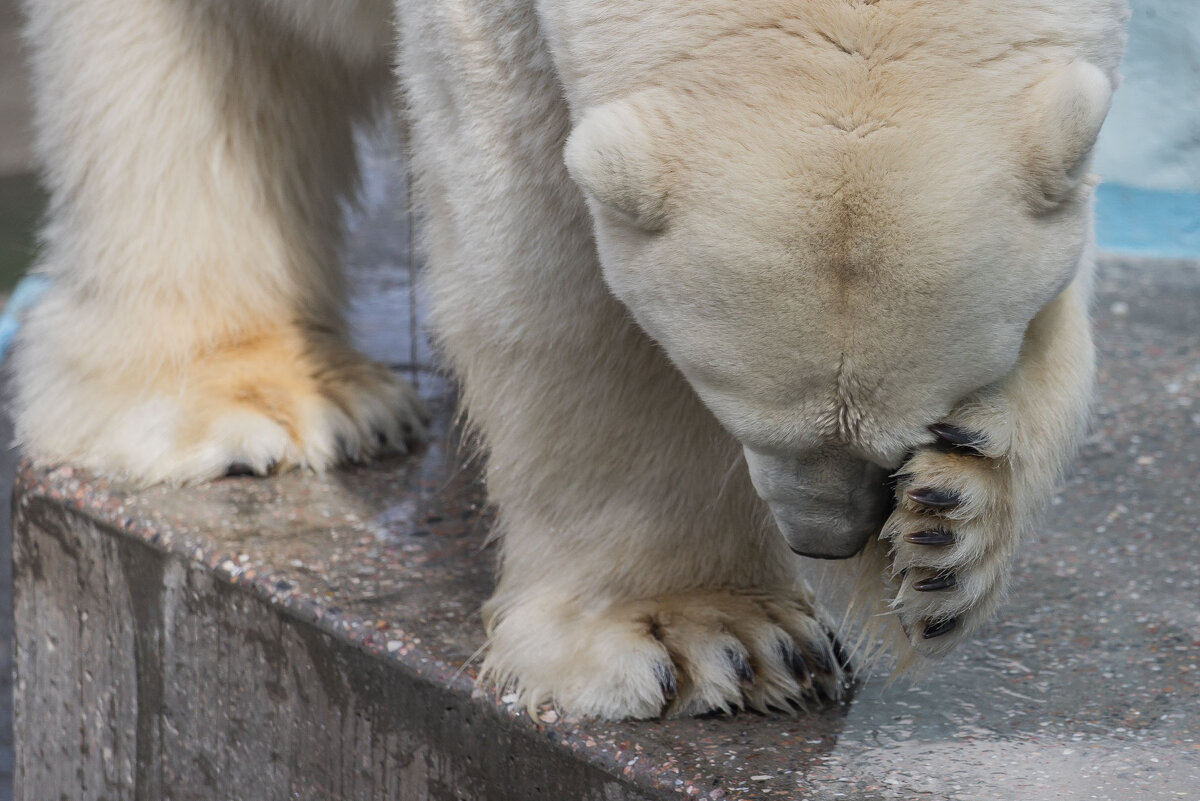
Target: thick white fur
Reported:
point(196, 154)
point(660, 235)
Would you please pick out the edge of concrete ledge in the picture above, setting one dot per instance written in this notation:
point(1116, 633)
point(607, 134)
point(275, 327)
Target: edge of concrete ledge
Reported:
point(399, 722)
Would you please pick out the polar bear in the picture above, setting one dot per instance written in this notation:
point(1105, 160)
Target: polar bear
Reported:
point(722, 283)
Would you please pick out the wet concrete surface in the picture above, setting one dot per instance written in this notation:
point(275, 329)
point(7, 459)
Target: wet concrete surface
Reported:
point(1086, 686)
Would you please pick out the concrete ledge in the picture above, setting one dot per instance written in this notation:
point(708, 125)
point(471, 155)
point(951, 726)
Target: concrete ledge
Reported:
point(304, 637)
point(144, 674)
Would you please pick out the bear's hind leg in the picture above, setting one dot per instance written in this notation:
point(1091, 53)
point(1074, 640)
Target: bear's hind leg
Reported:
point(196, 153)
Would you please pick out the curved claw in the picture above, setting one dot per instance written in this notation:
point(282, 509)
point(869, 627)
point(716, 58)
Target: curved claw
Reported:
point(954, 438)
point(666, 681)
point(822, 659)
point(794, 661)
point(938, 628)
point(933, 537)
point(741, 665)
point(934, 498)
point(946, 581)
point(839, 650)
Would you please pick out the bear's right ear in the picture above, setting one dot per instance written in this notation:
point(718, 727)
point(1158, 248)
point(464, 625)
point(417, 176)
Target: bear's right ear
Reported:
point(1072, 102)
point(610, 155)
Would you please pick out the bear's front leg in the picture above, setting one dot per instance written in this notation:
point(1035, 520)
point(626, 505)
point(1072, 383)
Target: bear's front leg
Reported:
point(640, 572)
point(196, 154)
point(965, 500)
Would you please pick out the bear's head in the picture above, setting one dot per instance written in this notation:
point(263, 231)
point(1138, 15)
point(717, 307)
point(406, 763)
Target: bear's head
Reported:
point(833, 267)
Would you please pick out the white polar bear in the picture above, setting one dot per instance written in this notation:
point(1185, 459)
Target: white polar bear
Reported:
point(707, 272)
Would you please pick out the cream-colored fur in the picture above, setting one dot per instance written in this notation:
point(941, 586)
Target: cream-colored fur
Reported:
point(678, 253)
point(196, 154)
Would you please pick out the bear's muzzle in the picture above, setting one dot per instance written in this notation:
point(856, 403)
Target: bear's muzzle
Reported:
point(827, 503)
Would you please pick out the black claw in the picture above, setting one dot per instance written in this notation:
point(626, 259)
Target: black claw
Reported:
point(794, 661)
point(931, 537)
point(741, 666)
point(934, 498)
point(239, 469)
point(716, 713)
point(938, 628)
point(945, 581)
point(839, 650)
point(381, 439)
point(666, 680)
point(955, 438)
point(412, 440)
point(822, 660)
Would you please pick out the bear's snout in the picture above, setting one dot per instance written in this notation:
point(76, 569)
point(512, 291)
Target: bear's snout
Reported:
point(827, 503)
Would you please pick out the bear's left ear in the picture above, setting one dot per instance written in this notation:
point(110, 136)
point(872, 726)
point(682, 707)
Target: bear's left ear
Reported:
point(1071, 103)
point(610, 155)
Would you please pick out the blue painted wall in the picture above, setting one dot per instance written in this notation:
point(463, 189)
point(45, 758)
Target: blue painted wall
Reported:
point(1149, 150)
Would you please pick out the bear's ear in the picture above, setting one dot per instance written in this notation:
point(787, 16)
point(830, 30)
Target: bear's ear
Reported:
point(610, 155)
point(1071, 104)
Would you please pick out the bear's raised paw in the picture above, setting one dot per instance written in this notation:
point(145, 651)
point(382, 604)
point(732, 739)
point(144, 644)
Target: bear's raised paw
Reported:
point(954, 532)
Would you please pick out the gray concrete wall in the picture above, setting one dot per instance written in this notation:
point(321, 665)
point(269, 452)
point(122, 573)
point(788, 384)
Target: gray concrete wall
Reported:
point(144, 677)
